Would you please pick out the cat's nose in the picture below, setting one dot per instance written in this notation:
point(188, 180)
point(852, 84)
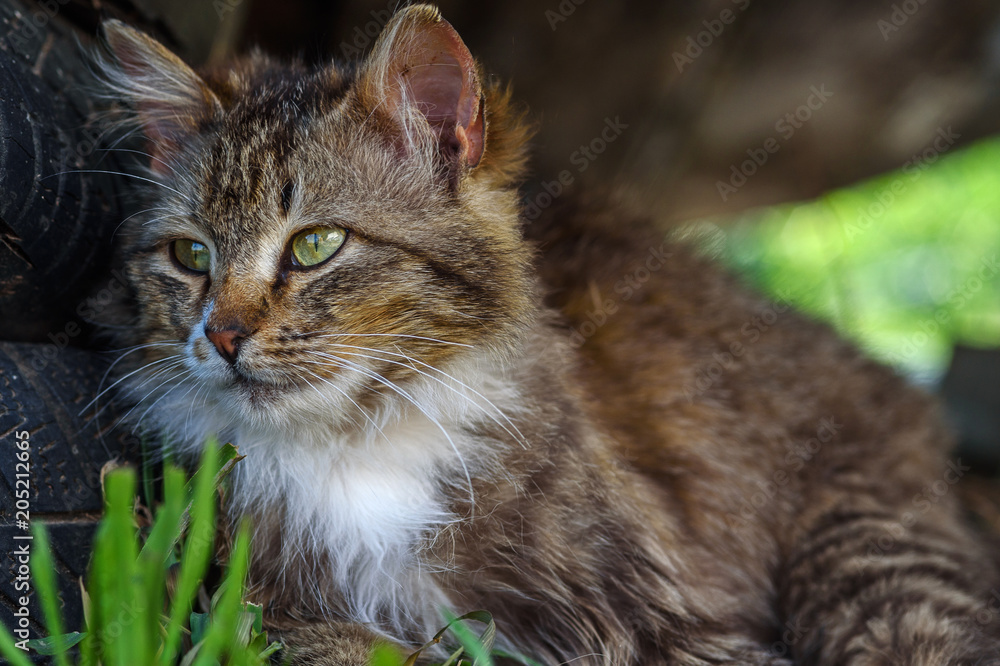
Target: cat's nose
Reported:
point(227, 342)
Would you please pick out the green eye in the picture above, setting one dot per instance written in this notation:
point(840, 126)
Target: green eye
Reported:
point(316, 245)
point(192, 254)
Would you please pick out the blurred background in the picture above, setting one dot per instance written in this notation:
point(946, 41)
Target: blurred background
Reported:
point(842, 155)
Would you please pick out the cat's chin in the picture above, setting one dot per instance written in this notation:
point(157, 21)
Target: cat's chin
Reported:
point(256, 393)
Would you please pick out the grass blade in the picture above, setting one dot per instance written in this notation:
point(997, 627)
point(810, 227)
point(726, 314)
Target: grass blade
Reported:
point(158, 547)
point(478, 647)
point(197, 550)
point(8, 648)
point(43, 573)
point(225, 620)
point(117, 592)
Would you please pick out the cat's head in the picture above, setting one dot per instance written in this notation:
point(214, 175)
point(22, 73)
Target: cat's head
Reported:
point(320, 239)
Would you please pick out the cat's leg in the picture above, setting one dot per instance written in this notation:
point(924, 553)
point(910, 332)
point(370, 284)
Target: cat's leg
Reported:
point(869, 587)
point(331, 644)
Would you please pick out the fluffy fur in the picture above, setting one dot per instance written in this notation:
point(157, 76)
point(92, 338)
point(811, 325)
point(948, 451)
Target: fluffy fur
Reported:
point(436, 417)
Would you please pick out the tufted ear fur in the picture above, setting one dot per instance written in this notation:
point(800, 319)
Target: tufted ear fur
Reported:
point(172, 102)
point(420, 74)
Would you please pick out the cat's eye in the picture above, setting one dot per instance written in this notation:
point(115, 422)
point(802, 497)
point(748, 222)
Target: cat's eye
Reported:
point(314, 246)
point(192, 255)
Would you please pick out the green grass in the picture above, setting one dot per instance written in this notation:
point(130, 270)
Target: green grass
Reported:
point(142, 591)
point(903, 263)
point(142, 588)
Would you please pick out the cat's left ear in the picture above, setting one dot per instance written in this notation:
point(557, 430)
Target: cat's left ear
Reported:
point(420, 66)
point(171, 100)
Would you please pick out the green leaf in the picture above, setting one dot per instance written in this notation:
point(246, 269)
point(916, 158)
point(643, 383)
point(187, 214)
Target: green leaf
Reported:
point(270, 649)
point(158, 552)
point(258, 616)
point(116, 593)
point(198, 549)
point(43, 573)
point(50, 644)
point(199, 626)
point(386, 655)
point(223, 630)
point(10, 651)
point(147, 475)
point(479, 648)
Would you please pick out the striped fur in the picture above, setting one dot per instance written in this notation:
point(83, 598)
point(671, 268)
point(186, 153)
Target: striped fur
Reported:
point(580, 426)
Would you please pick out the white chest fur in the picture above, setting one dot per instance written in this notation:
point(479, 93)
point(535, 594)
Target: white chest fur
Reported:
point(366, 505)
point(362, 497)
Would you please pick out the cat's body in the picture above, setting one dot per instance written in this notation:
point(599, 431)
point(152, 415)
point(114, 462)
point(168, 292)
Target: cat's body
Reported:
point(610, 446)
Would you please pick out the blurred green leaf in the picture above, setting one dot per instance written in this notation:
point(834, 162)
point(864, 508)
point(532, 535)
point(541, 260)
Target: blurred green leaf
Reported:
point(904, 264)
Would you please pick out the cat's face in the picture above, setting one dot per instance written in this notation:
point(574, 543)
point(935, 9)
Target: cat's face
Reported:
point(319, 242)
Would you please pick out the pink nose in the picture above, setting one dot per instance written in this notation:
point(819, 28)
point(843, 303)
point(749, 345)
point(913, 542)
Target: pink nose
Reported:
point(227, 342)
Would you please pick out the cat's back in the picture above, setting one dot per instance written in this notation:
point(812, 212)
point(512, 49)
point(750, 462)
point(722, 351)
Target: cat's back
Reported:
point(741, 408)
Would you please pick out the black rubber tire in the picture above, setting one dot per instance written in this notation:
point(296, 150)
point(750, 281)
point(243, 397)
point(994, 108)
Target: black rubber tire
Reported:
point(42, 394)
point(56, 222)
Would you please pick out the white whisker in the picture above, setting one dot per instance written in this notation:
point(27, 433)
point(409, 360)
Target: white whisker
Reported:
point(121, 379)
point(387, 335)
point(127, 175)
point(344, 393)
point(379, 378)
point(516, 434)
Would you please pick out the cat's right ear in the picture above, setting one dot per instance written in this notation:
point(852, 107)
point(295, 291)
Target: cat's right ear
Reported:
point(172, 102)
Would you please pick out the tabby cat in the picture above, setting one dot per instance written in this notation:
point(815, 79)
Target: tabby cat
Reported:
point(579, 426)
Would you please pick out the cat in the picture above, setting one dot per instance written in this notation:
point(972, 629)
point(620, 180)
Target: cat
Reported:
point(580, 425)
